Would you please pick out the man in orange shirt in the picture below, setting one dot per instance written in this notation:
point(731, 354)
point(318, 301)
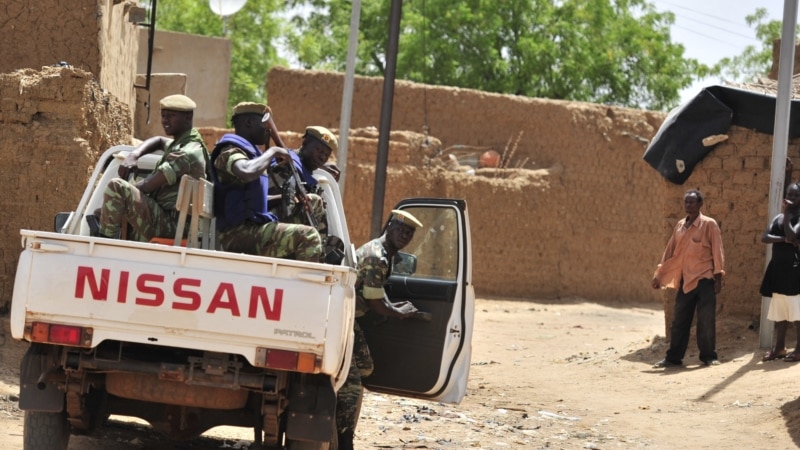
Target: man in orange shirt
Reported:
point(693, 263)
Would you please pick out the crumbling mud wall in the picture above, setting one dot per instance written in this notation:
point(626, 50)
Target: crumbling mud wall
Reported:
point(93, 35)
point(54, 124)
point(586, 217)
point(575, 213)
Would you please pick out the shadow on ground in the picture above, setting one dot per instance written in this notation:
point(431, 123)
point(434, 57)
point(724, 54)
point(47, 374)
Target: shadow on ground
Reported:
point(791, 414)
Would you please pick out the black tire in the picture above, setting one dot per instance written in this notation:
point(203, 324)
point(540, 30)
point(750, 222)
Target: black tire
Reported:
point(313, 445)
point(45, 431)
point(304, 445)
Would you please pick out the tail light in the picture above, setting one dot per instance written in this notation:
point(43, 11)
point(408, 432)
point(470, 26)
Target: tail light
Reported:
point(51, 333)
point(287, 360)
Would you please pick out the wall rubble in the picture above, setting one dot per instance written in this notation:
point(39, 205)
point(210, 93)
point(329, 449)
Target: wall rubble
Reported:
point(92, 35)
point(54, 124)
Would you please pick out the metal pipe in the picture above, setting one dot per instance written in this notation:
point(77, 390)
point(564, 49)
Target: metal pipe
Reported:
point(49, 376)
point(151, 35)
point(259, 381)
point(347, 94)
point(780, 141)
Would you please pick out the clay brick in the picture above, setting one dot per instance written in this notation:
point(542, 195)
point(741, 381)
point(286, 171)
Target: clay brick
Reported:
point(712, 162)
point(718, 178)
point(754, 162)
point(743, 178)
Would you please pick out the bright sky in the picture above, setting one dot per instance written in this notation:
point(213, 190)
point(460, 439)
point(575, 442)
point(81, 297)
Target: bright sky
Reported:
point(713, 29)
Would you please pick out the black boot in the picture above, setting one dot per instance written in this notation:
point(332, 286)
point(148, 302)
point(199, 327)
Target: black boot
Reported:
point(346, 440)
point(333, 250)
point(94, 225)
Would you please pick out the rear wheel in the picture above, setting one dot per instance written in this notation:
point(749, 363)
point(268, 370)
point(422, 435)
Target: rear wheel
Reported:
point(315, 445)
point(306, 445)
point(45, 431)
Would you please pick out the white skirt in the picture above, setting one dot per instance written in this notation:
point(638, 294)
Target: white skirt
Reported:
point(784, 307)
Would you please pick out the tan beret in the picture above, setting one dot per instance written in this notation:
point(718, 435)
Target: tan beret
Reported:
point(250, 108)
point(324, 135)
point(178, 102)
point(405, 218)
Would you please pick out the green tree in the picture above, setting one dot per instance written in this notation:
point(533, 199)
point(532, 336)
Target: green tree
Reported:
point(253, 32)
point(756, 60)
point(604, 51)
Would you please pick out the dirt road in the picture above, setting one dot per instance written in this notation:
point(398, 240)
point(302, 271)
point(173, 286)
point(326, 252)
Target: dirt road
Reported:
point(572, 375)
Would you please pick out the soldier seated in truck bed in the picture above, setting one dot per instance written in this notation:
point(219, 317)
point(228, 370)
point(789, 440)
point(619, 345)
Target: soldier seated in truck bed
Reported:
point(285, 202)
point(148, 205)
point(238, 170)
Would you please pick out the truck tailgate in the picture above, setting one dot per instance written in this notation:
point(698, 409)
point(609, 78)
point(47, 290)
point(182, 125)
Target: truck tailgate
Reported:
point(189, 298)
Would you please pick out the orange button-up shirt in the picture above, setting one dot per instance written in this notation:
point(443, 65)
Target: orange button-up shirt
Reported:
point(693, 253)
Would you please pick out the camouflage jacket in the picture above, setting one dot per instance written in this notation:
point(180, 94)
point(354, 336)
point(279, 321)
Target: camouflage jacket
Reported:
point(185, 155)
point(374, 268)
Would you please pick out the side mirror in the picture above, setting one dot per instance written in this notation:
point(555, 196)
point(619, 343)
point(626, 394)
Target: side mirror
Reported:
point(404, 264)
point(60, 220)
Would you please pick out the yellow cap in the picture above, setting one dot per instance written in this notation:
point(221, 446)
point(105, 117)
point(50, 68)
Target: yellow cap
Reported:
point(405, 218)
point(177, 102)
point(324, 135)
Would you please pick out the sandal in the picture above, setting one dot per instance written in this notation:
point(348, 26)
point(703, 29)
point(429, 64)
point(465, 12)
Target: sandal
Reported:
point(792, 357)
point(773, 355)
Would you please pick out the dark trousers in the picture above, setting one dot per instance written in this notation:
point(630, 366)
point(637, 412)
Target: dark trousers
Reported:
point(704, 300)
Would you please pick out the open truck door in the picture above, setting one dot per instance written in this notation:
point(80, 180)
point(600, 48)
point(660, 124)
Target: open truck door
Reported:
point(427, 359)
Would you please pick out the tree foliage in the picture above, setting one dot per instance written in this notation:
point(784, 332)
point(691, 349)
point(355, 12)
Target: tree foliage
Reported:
point(755, 60)
point(253, 32)
point(604, 51)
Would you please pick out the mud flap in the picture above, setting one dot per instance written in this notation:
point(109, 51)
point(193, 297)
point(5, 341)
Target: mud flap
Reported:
point(311, 412)
point(39, 361)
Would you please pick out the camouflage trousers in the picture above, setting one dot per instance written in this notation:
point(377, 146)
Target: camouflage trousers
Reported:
point(124, 204)
point(275, 239)
point(348, 399)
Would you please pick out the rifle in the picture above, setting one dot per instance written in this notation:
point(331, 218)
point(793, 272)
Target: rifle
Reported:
point(273, 130)
point(303, 194)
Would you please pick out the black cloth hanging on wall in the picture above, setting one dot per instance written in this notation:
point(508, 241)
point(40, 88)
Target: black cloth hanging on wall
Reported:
point(678, 145)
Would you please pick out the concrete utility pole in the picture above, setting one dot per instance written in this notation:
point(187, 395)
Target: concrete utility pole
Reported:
point(780, 142)
point(347, 94)
point(386, 118)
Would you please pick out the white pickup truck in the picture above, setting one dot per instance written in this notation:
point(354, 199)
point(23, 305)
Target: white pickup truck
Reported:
point(188, 337)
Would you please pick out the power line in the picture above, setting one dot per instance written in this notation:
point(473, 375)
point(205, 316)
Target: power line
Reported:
point(737, 47)
point(721, 29)
point(702, 13)
point(705, 24)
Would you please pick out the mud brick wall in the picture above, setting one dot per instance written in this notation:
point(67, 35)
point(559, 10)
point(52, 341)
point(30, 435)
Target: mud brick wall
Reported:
point(587, 217)
point(54, 124)
point(93, 35)
point(582, 216)
point(581, 220)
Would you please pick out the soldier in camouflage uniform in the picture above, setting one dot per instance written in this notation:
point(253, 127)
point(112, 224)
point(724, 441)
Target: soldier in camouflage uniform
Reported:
point(314, 153)
point(148, 205)
point(238, 169)
point(374, 268)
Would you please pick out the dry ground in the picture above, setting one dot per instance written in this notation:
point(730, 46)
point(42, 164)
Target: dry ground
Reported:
point(571, 375)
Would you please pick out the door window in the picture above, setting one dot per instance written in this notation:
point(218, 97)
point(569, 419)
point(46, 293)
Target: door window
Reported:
point(434, 249)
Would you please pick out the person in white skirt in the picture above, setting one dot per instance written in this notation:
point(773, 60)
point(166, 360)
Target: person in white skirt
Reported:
point(782, 277)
